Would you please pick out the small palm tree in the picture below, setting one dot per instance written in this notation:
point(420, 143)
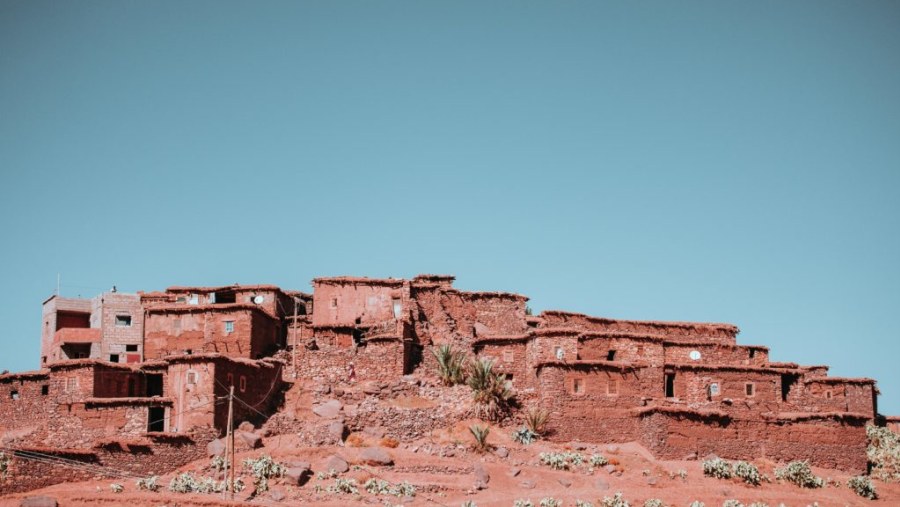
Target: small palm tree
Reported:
point(536, 420)
point(491, 394)
point(451, 369)
point(480, 433)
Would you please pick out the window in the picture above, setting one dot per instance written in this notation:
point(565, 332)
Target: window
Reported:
point(243, 383)
point(43, 359)
point(752, 353)
point(827, 395)
point(398, 308)
point(229, 326)
point(131, 348)
point(749, 389)
point(71, 384)
point(334, 302)
point(192, 377)
point(14, 395)
point(714, 389)
point(558, 353)
point(670, 385)
point(229, 379)
point(611, 355)
point(578, 386)
point(45, 390)
point(194, 300)
point(114, 358)
point(123, 320)
point(612, 387)
point(508, 356)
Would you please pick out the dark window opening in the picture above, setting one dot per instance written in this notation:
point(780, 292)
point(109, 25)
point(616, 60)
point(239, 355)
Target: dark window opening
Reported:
point(752, 353)
point(14, 395)
point(670, 385)
point(45, 390)
point(611, 355)
point(827, 395)
point(787, 382)
point(749, 389)
point(156, 419)
point(222, 298)
point(76, 350)
point(230, 379)
point(43, 359)
point(114, 358)
point(578, 386)
point(123, 320)
point(334, 302)
point(243, 383)
point(154, 385)
point(357, 337)
point(72, 319)
point(131, 348)
point(131, 389)
point(612, 387)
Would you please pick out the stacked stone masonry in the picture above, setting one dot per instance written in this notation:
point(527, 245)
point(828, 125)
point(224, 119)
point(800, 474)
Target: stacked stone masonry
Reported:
point(158, 365)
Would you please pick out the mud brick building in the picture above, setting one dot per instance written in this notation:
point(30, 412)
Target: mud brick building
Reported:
point(157, 364)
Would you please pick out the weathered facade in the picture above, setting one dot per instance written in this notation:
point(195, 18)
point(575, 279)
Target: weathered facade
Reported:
point(159, 363)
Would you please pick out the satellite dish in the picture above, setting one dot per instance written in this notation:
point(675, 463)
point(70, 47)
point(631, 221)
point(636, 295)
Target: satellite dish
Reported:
point(695, 355)
point(258, 299)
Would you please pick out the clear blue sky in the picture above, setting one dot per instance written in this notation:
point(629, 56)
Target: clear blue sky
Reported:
point(711, 161)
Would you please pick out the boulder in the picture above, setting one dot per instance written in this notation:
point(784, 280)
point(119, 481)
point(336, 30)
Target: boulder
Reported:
point(502, 452)
point(374, 431)
point(277, 495)
point(337, 431)
point(216, 447)
point(481, 474)
point(565, 482)
point(249, 440)
point(372, 388)
point(247, 426)
point(375, 456)
point(39, 501)
point(328, 410)
point(336, 463)
point(514, 472)
point(527, 484)
point(297, 476)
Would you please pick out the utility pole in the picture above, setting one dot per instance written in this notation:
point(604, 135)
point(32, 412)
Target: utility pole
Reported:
point(229, 442)
point(294, 348)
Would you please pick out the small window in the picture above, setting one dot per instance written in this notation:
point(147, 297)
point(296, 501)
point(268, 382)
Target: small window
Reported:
point(750, 389)
point(192, 377)
point(195, 299)
point(71, 384)
point(334, 302)
point(229, 326)
point(508, 356)
point(229, 379)
point(827, 395)
point(181, 299)
point(578, 386)
point(123, 320)
point(14, 395)
point(243, 383)
point(398, 308)
point(45, 390)
point(43, 359)
point(752, 353)
point(114, 358)
point(131, 348)
point(640, 351)
point(558, 353)
point(714, 389)
point(611, 355)
point(612, 387)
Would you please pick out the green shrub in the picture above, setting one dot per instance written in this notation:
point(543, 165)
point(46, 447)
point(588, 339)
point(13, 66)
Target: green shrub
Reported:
point(524, 436)
point(451, 364)
point(561, 460)
point(148, 483)
point(697, 503)
point(718, 468)
point(759, 504)
point(799, 473)
point(523, 503)
point(862, 486)
point(550, 502)
point(614, 501)
point(480, 434)
point(217, 463)
point(654, 502)
point(344, 487)
point(583, 503)
point(187, 483)
point(598, 460)
point(382, 487)
point(884, 453)
point(747, 472)
point(536, 420)
point(263, 469)
point(116, 488)
point(489, 390)
point(732, 503)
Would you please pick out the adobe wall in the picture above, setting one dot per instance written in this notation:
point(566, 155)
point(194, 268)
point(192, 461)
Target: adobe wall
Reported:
point(837, 395)
point(380, 360)
point(192, 386)
point(256, 383)
point(112, 382)
point(449, 316)
point(829, 443)
point(50, 324)
point(692, 385)
point(629, 349)
point(115, 338)
point(24, 415)
point(716, 354)
point(146, 456)
point(672, 331)
point(511, 359)
point(172, 330)
point(342, 302)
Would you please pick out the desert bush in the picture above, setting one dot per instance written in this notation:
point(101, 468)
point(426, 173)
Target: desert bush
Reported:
point(469, 503)
point(4, 464)
point(654, 502)
point(480, 434)
point(524, 436)
point(382, 487)
point(451, 364)
point(187, 483)
point(598, 460)
point(732, 503)
point(799, 473)
point(884, 453)
point(561, 460)
point(344, 486)
point(536, 420)
point(759, 504)
point(523, 503)
point(550, 502)
point(862, 486)
point(116, 488)
point(263, 469)
point(697, 503)
point(747, 472)
point(583, 503)
point(148, 483)
point(217, 463)
point(489, 390)
point(717, 467)
point(616, 500)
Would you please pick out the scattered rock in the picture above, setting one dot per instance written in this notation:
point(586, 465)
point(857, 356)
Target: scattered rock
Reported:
point(250, 440)
point(514, 472)
point(337, 431)
point(328, 410)
point(374, 431)
point(375, 456)
point(502, 452)
point(690, 457)
point(277, 495)
point(612, 449)
point(609, 468)
point(351, 410)
point(336, 463)
point(300, 464)
point(39, 501)
point(297, 475)
point(579, 446)
point(338, 392)
point(527, 484)
point(601, 485)
point(216, 447)
point(565, 482)
point(371, 388)
point(651, 481)
point(247, 426)
point(481, 474)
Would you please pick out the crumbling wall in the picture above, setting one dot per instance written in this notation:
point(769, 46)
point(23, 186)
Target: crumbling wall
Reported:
point(597, 347)
point(672, 331)
point(716, 353)
point(380, 360)
point(350, 301)
point(172, 330)
point(510, 358)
